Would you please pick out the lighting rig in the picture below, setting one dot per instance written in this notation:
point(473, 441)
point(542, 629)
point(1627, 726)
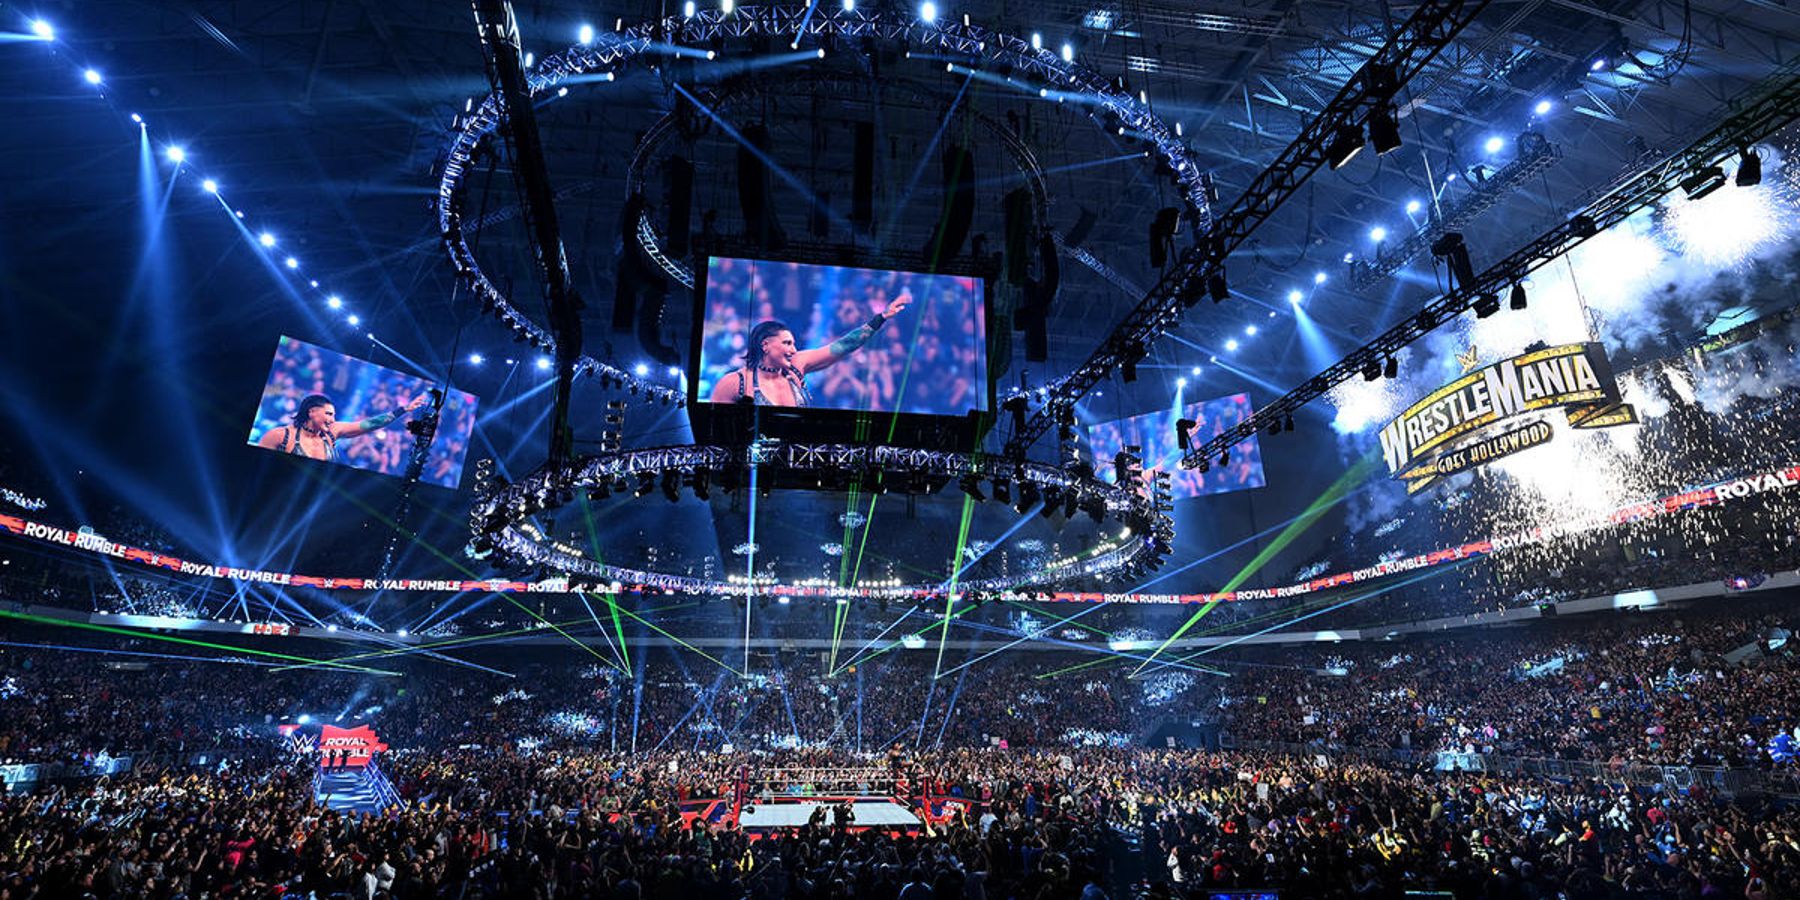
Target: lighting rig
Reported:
point(1535, 154)
point(1331, 138)
point(1763, 110)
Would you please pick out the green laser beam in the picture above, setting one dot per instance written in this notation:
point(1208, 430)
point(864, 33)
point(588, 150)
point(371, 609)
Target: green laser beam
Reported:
point(190, 642)
point(1338, 490)
point(962, 540)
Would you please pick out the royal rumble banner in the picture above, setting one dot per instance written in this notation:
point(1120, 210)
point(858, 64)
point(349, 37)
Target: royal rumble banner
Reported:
point(1462, 425)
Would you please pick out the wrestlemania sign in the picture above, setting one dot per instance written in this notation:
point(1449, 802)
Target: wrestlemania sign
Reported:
point(1477, 418)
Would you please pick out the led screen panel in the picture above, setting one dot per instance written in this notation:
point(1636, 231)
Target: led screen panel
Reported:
point(1155, 433)
point(815, 347)
point(356, 414)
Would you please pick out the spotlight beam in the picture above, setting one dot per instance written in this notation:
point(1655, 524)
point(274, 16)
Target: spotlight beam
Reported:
point(187, 642)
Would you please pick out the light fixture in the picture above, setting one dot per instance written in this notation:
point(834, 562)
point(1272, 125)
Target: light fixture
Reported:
point(1231, 345)
point(1413, 206)
point(1294, 297)
point(585, 33)
point(137, 118)
point(1597, 64)
point(210, 186)
point(43, 30)
point(1371, 370)
point(687, 9)
point(1318, 278)
point(1392, 369)
point(1181, 382)
point(1068, 52)
point(1486, 305)
point(1384, 131)
point(292, 263)
point(642, 369)
point(1037, 41)
point(674, 371)
point(354, 319)
point(1378, 234)
point(266, 239)
point(1344, 145)
point(543, 363)
point(1494, 144)
point(1542, 108)
point(334, 302)
point(1195, 371)
point(849, 6)
point(176, 155)
point(92, 76)
point(1517, 299)
point(928, 12)
point(1250, 331)
point(475, 359)
point(726, 6)
point(1703, 182)
point(1749, 173)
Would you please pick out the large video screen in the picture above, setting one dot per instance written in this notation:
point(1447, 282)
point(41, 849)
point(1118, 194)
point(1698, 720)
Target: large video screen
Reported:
point(323, 405)
point(818, 341)
point(1155, 433)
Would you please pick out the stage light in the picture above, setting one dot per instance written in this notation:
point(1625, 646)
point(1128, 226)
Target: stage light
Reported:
point(1287, 424)
point(1542, 108)
point(1068, 52)
point(726, 6)
point(1749, 173)
point(314, 283)
point(1344, 146)
point(137, 118)
point(849, 5)
point(1597, 64)
point(43, 30)
point(1517, 300)
point(1250, 330)
point(1392, 369)
point(543, 363)
point(1413, 206)
point(928, 12)
point(674, 371)
point(585, 34)
point(1486, 305)
point(642, 369)
point(1378, 234)
point(1231, 345)
point(331, 627)
point(354, 319)
point(530, 60)
point(1295, 296)
point(1703, 182)
point(562, 92)
point(475, 359)
point(687, 9)
point(1371, 370)
point(1037, 41)
point(210, 186)
point(1217, 287)
point(176, 155)
point(92, 76)
point(1195, 371)
point(1384, 131)
point(1181, 382)
point(1494, 144)
point(785, 599)
point(334, 302)
point(266, 239)
point(401, 632)
point(1318, 278)
point(292, 263)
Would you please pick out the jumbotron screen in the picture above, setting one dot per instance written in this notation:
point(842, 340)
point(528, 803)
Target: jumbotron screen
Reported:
point(323, 405)
point(836, 337)
point(1155, 433)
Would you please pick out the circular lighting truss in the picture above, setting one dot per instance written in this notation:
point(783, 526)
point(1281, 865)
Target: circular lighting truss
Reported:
point(957, 43)
point(502, 532)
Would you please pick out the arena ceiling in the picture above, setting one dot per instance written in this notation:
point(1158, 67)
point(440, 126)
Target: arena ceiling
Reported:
point(326, 121)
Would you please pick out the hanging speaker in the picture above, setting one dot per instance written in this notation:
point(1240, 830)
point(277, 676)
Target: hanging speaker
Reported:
point(1016, 206)
point(754, 187)
point(959, 206)
point(862, 179)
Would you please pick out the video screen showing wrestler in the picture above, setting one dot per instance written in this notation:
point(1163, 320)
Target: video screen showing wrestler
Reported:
point(1155, 433)
point(835, 337)
point(326, 406)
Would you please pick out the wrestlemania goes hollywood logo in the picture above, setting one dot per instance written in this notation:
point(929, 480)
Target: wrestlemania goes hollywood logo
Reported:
point(1456, 428)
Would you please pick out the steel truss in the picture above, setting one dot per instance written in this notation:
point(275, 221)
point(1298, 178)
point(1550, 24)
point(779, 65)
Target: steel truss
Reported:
point(1764, 110)
point(499, 519)
point(1431, 27)
point(804, 26)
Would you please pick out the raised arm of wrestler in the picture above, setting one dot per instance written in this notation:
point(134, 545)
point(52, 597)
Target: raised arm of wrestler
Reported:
point(809, 361)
